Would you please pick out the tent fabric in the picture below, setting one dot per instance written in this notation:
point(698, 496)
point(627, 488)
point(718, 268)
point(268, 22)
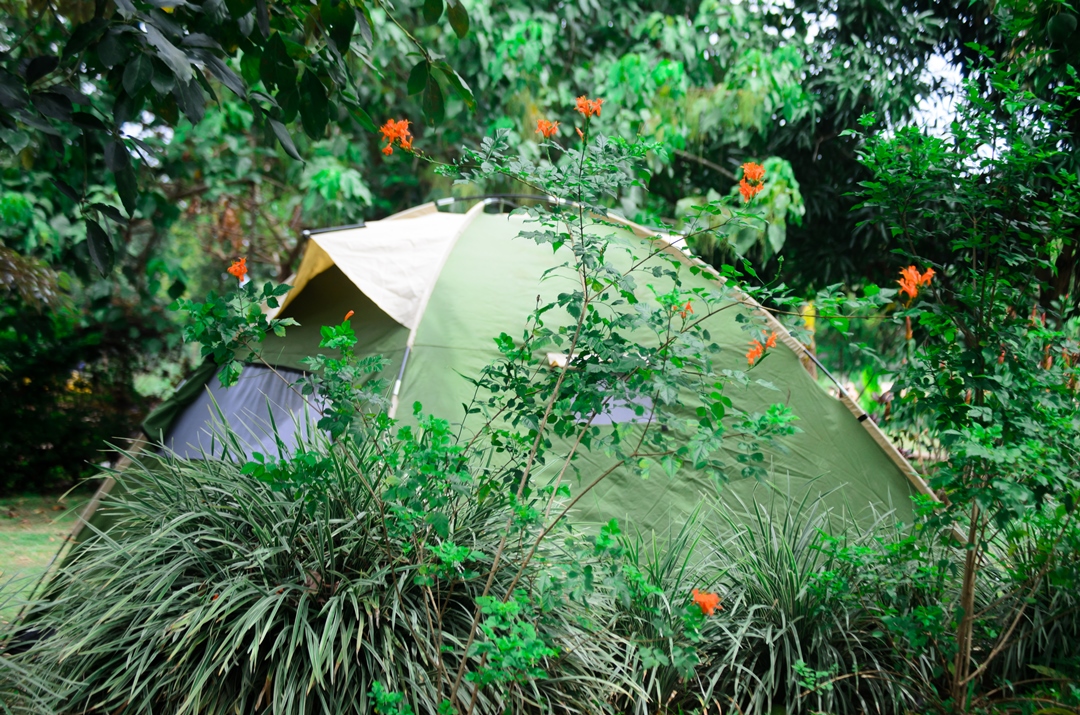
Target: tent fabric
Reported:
point(261, 399)
point(158, 421)
point(392, 266)
point(491, 283)
point(435, 289)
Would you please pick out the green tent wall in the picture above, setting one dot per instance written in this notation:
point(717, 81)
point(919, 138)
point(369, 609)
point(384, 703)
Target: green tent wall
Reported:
point(430, 290)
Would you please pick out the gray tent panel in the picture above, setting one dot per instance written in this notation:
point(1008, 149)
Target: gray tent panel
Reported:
point(259, 400)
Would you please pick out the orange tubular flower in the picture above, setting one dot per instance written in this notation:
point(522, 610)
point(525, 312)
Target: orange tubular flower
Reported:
point(588, 107)
point(581, 134)
point(396, 131)
point(546, 129)
point(753, 172)
point(347, 316)
point(686, 310)
point(751, 183)
point(238, 269)
point(754, 353)
point(707, 602)
point(911, 280)
point(771, 342)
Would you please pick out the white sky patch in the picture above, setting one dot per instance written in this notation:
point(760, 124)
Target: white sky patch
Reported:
point(937, 111)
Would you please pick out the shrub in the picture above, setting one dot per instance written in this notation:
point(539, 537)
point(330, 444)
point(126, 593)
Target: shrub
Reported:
point(294, 589)
point(785, 641)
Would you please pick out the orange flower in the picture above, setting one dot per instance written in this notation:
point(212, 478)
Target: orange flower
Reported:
point(771, 342)
point(238, 269)
point(588, 107)
point(911, 280)
point(755, 352)
point(347, 316)
point(396, 131)
point(748, 190)
point(546, 128)
point(581, 134)
point(753, 172)
point(686, 310)
point(707, 602)
point(751, 183)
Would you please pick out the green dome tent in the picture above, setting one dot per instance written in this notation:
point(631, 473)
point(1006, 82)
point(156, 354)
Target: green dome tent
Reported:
point(430, 289)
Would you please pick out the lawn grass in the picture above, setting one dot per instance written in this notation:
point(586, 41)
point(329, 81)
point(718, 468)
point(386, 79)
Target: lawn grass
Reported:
point(32, 529)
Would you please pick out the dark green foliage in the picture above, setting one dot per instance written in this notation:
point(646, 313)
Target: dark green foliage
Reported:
point(64, 391)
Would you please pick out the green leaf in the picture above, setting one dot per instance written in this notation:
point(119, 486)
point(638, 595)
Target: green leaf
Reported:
point(434, 106)
point(458, 84)
point(288, 99)
point(116, 155)
point(282, 135)
point(432, 11)
point(439, 523)
point(418, 77)
point(249, 65)
point(363, 118)
point(137, 74)
point(53, 105)
point(111, 50)
point(101, 248)
point(1061, 27)
point(459, 18)
point(15, 139)
point(88, 122)
point(225, 75)
point(128, 188)
point(39, 67)
point(275, 66)
point(314, 105)
point(239, 8)
point(83, 36)
point(170, 54)
point(339, 19)
point(67, 190)
point(109, 211)
point(12, 91)
point(192, 102)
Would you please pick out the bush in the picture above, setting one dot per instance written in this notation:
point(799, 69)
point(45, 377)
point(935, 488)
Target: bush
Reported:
point(785, 641)
point(231, 592)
